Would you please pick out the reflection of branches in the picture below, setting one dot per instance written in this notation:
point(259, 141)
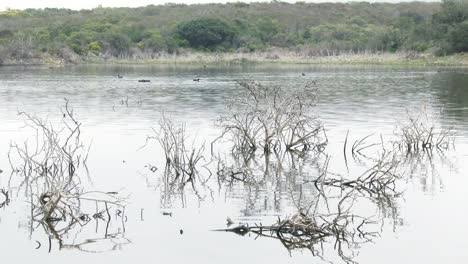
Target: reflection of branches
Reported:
point(418, 133)
point(182, 161)
point(379, 180)
point(48, 170)
point(312, 231)
point(378, 184)
point(417, 163)
point(63, 224)
point(343, 227)
point(51, 161)
point(425, 167)
point(270, 171)
point(256, 169)
point(420, 142)
point(5, 201)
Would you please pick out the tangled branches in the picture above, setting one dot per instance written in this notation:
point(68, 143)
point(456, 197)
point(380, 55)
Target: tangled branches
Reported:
point(267, 118)
point(312, 231)
point(377, 181)
point(48, 170)
point(5, 200)
point(183, 162)
point(50, 162)
point(340, 224)
point(64, 217)
point(419, 133)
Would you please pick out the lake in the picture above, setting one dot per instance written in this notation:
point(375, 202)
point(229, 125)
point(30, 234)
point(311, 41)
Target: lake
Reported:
point(422, 222)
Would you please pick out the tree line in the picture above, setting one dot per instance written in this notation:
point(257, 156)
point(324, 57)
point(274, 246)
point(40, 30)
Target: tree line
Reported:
point(325, 28)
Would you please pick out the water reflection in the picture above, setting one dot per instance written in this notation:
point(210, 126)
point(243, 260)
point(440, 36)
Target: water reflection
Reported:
point(5, 198)
point(452, 95)
point(251, 189)
point(339, 210)
point(49, 169)
point(83, 230)
point(328, 211)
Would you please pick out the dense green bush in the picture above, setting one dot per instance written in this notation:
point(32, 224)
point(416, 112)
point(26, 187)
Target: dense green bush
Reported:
point(450, 27)
point(206, 33)
point(459, 37)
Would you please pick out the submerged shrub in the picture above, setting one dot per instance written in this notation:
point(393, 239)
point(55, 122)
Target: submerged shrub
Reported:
point(273, 119)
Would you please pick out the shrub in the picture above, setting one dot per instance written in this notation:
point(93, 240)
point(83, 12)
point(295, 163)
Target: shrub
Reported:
point(94, 47)
point(206, 33)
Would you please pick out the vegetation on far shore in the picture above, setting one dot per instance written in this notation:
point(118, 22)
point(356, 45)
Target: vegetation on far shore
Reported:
point(350, 33)
point(274, 57)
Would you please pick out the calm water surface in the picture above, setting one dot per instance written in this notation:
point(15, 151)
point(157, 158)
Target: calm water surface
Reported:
point(428, 223)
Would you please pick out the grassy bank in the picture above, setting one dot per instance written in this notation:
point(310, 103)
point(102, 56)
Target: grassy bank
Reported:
point(270, 57)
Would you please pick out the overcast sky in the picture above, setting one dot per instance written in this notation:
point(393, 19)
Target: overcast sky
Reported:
point(87, 4)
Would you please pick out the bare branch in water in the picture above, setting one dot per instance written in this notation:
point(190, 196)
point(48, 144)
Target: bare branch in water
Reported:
point(48, 169)
point(418, 133)
point(272, 119)
point(5, 200)
point(184, 162)
point(311, 231)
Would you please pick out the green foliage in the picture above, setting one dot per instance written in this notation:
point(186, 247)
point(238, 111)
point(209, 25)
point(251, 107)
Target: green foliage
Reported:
point(5, 34)
point(266, 29)
point(453, 12)
point(154, 42)
point(118, 43)
point(451, 27)
point(11, 13)
point(329, 28)
point(459, 37)
point(206, 33)
point(354, 37)
point(94, 47)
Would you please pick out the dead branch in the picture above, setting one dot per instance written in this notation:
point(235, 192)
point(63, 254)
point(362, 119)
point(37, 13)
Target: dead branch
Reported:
point(5, 200)
point(418, 133)
point(48, 169)
point(272, 119)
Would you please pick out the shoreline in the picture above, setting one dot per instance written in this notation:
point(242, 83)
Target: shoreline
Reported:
point(260, 58)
